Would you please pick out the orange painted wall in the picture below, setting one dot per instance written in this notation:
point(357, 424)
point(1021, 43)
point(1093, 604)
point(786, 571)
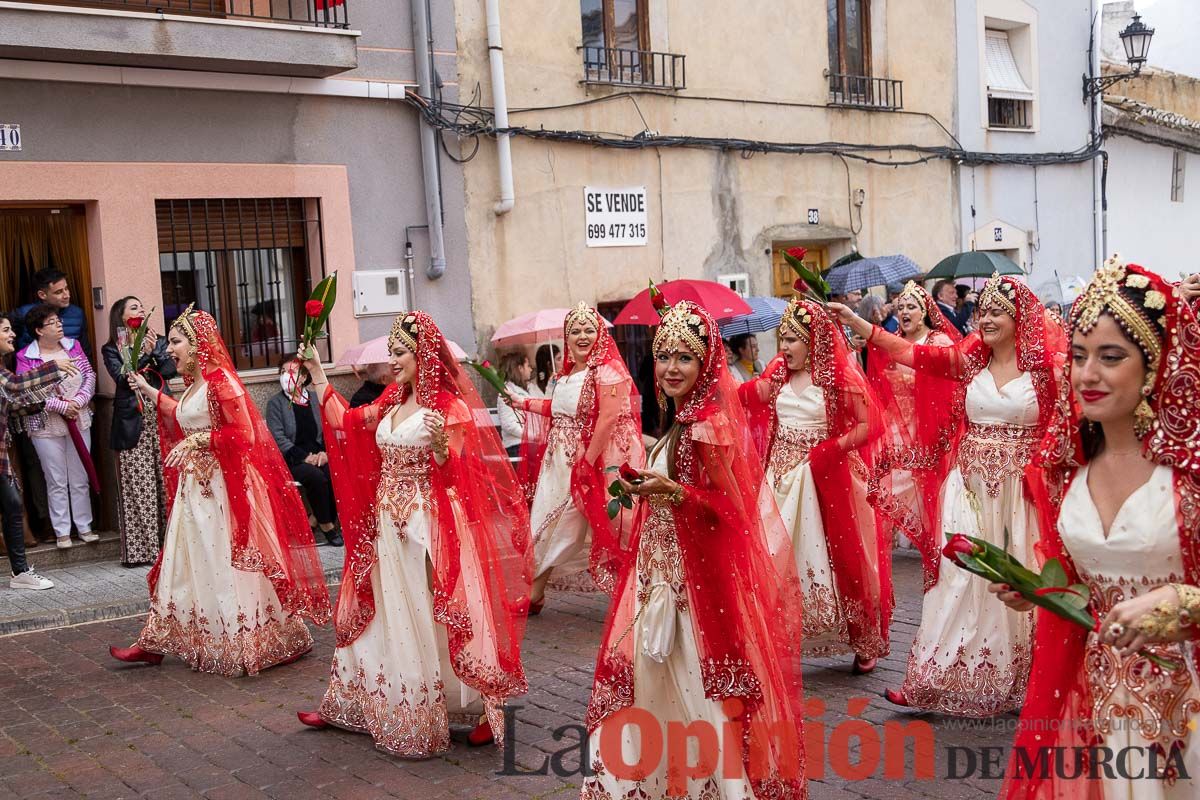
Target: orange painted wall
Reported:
point(122, 236)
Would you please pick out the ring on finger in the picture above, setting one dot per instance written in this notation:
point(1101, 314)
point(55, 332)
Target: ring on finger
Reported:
point(1115, 631)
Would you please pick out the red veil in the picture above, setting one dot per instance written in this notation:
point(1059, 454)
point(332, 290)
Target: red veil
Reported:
point(854, 422)
point(270, 532)
point(1058, 702)
point(479, 513)
point(1041, 346)
point(611, 432)
point(742, 591)
point(924, 418)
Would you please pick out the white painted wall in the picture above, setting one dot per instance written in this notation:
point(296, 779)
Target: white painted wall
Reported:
point(1055, 209)
point(1144, 226)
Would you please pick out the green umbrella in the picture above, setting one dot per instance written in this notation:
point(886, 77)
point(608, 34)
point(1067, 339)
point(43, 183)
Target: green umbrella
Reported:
point(974, 264)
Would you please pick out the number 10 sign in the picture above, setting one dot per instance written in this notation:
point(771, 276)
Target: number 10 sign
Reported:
point(10, 137)
point(615, 217)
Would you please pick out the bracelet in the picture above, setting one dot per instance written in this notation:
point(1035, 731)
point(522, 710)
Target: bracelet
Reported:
point(676, 497)
point(1189, 603)
point(1162, 622)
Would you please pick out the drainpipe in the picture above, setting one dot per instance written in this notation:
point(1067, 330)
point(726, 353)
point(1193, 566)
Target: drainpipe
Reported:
point(500, 105)
point(422, 46)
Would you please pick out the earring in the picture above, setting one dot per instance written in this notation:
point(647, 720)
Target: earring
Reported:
point(662, 398)
point(190, 365)
point(1143, 415)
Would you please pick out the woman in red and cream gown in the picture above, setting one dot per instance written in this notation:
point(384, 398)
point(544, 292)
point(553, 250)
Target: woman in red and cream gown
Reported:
point(969, 659)
point(1117, 483)
point(914, 455)
point(238, 569)
point(704, 628)
point(814, 420)
point(592, 427)
point(435, 590)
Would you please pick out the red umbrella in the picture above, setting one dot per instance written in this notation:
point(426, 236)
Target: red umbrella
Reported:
point(720, 301)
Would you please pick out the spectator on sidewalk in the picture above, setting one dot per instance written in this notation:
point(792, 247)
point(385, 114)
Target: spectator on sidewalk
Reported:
point(19, 397)
point(946, 295)
point(545, 366)
point(52, 289)
point(68, 490)
point(294, 419)
point(377, 378)
point(141, 494)
point(746, 366)
point(518, 377)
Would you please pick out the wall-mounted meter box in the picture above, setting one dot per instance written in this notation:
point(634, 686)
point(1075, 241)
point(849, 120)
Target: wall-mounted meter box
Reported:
point(378, 292)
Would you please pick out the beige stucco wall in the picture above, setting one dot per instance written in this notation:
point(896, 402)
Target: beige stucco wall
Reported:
point(710, 212)
point(1170, 91)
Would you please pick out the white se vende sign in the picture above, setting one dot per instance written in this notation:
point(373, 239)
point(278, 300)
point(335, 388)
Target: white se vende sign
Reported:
point(615, 217)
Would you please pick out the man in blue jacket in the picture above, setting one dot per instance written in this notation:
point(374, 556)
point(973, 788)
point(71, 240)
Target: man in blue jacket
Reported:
point(52, 289)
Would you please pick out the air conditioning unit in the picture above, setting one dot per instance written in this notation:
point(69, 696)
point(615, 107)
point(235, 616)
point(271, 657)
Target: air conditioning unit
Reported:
point(380, 292)
point(738, 281)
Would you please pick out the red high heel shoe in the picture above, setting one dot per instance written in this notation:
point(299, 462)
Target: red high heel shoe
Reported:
point(481, 735)
point(135, 655)
point(863, 666)
point(294, 658)
point(895, 697)
point(312, 719)
point(536, 608)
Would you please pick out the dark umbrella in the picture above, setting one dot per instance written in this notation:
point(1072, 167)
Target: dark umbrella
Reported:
point(867, 272)
point(974, 264)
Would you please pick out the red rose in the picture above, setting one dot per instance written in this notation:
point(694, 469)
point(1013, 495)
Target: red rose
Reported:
point(797, 253)
point(801, 285)
point(133, 323)
point(628, 473)
point(960, 545)
point(313, 308)
point(658, 301)
point(486, 364)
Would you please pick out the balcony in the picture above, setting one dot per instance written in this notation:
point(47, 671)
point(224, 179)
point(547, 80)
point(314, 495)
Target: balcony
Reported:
point(859, 91)
point(645, 69)
point(295, 38)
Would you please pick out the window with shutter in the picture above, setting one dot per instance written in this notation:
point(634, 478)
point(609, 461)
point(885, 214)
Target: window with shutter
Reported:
point(249, 262)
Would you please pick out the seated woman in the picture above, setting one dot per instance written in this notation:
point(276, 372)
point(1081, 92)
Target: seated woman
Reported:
point(293, 416)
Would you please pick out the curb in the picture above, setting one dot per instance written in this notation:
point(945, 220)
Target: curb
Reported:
point(83, 615)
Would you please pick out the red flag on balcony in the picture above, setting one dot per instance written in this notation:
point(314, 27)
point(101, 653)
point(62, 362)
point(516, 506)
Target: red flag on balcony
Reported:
point(323, 5)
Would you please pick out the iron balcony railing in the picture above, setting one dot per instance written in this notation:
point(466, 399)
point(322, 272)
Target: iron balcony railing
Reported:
point(860, 91)
point(643, 68)
point(317, 13)
point(1006, 113)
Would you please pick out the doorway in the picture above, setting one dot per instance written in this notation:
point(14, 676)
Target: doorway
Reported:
point(782, 276)
point(33, 238)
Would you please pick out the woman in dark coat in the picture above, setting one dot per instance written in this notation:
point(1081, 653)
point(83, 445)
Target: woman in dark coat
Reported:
point(142, 503)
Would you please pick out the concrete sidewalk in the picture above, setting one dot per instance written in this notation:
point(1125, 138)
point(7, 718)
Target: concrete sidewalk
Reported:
point(95, 591)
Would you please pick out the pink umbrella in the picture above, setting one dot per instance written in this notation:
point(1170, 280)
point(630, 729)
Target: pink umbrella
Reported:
point(536, 327)
point(375, 351)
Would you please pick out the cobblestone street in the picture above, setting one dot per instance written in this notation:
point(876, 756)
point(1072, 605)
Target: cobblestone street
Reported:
point(77, 724)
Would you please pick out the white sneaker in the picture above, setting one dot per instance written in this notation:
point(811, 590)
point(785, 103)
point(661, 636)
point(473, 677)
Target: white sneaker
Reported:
point(63, 542)
point(30, 580)
point(89, 537)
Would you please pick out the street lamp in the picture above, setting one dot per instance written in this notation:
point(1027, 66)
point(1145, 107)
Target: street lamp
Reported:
point(1136, 41)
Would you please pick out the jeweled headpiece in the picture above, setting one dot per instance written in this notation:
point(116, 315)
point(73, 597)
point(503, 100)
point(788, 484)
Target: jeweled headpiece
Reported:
point(999, 291)
point(682, 327)
point(405, 330)
point(580, 313)
point(1134, 317)
point(797, 319)
point(185, 324)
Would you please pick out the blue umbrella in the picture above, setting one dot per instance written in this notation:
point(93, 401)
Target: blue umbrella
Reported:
point(867, 272)
point(765, 314)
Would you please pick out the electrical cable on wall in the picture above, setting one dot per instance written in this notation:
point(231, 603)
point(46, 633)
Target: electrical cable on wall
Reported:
point(475, 120)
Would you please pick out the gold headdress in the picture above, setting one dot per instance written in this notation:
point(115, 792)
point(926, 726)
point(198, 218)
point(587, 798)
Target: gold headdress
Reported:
point(797, 319)
point(999, 292)
point(911, 289)
point(1103, 293)
point(401, 334)
point(582, 312)
point(184, 323)
point(682, 326)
